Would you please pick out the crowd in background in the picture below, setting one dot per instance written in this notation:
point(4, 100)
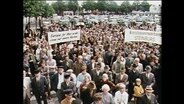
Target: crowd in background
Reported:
point(100, 68)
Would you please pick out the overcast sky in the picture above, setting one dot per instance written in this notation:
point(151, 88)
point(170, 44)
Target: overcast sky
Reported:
point(156, 2)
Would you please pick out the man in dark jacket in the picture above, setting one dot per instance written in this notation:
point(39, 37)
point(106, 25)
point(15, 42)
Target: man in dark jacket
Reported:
point(40, 87)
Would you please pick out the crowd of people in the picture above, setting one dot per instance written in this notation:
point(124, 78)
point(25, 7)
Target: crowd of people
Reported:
point(100, 68)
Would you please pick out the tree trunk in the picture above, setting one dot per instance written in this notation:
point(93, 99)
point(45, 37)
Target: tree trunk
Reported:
point(26, 19)
point(29, 21)
point(36, 22)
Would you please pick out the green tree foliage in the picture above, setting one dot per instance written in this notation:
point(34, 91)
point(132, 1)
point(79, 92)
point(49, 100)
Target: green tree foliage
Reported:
point(136, 5)
point(59, 7)
point(125, 7)
point(112, 7)
point(145, 6)
point(102, 5)
point(73, 5)
point(48, 10)
point(89, 5)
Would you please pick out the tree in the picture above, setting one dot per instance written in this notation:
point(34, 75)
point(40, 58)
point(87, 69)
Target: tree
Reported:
point(48, 10)
point(136, 5)
point(125, 7)
point(89, 5)
point(59, 7)
point(102, 5)
point(145, 6)
point(73, 5)
point(112, 7)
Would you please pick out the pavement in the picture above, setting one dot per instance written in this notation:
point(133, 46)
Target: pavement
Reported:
point(53, 100)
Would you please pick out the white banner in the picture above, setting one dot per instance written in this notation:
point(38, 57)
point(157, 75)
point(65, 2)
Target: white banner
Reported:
point(143, 36)
point(64, 36)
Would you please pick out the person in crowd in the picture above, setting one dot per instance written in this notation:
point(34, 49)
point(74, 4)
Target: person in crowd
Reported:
point(108, 72)
point(67, 84)
point(138, 90)
point(96, 75)
point(148, 78)
point(91, 65)
point(40, 87)
point(87, 94)
point(107, 97)
point(26, 88)
point(81, 76)
point(121, 96)
point(73, 76)
point(69, 99)
point(51, 64)
point(132, 76)
point(129, 61)
point(105, 80)
point(97, 99)
point(100, 60)
point(148, 97)
point(67, 63)
point(117, 65)
point(85, 83)
point(122, 77)
point(45, 72)
point(139, 65)
point(56, 80)
point(78, 65)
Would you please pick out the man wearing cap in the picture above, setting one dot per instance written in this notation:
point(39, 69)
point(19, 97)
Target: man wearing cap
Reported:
point(148, 97)
point(40, 87)
point(68, 97)
point(148, 78)
point(67, 84)
point(73, 76)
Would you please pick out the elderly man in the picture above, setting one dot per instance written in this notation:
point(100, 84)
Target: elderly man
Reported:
point(148, 78)
point(148, 97)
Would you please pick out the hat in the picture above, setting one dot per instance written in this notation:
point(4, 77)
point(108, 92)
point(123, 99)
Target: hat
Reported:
point(36, 71)
point(68, 92)
point(69, 71)
point(148, 67)
point(60, 67)
point(149, 89)
point(107, 67)
point(66, 75)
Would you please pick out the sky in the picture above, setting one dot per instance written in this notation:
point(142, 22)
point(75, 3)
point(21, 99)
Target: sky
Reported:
point(155, 2)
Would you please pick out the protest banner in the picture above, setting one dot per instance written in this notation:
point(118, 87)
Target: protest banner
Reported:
point(143, 36)
point(64, 36)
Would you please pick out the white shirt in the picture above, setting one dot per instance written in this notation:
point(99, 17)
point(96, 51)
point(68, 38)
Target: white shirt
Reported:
point(51, 63)
point(27, 82)
point(74, 78)
point(60, 80)
point(121, 98)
